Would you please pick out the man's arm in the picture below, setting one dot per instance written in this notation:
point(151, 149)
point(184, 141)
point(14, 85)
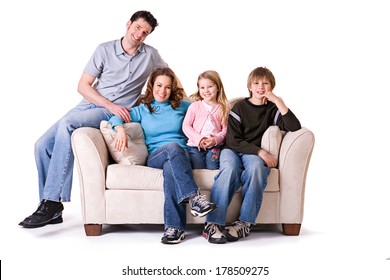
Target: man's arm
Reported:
point(90, 93)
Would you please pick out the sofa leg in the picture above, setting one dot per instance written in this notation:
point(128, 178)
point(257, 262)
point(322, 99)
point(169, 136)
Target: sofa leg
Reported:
point(92, 229)
point(291, 229)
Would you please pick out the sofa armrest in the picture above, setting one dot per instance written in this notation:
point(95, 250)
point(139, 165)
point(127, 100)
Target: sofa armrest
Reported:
point(294, 159)
point(92, 158)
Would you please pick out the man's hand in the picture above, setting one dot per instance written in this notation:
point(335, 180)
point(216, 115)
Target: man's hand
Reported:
point(120, 111)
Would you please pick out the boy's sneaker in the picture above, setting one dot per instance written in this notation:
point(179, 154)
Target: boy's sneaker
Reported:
point(237, 230)
point(214, 233)
point(173, 236)
point(200, 206)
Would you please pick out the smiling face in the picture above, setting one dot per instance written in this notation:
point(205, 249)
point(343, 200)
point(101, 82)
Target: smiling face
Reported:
point(137, 31)
point(208, 91)
point(258, 88)
point(162, 88)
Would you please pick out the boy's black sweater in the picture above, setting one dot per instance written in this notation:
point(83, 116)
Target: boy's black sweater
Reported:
point(248, 122)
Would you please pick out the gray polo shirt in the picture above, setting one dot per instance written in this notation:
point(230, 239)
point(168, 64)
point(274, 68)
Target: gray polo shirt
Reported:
point(121, 77)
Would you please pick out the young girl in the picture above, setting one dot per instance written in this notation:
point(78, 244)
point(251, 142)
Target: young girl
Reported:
point(205, 123)
point(161, 115)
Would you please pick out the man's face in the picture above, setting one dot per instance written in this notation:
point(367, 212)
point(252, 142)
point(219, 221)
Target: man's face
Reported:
point(138, 30)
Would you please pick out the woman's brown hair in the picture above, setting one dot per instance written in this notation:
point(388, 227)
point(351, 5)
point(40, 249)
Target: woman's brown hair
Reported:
point(177, 93)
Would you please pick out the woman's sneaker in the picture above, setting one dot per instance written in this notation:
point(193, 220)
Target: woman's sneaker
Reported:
point(214, 233)
point(237, 230)
point(200, 206)
point(173, 236)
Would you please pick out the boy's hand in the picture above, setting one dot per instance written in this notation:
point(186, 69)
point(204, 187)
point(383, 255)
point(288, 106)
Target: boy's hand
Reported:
point(269, 159)
point(270, 96)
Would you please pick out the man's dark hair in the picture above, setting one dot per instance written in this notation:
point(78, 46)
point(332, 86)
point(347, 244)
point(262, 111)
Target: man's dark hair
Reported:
point(147, 16)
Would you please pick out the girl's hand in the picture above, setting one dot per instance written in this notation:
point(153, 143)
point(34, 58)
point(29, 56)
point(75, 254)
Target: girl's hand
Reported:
point(269, 159)
point(200, 145)
point(207, 143)
point(120, 141)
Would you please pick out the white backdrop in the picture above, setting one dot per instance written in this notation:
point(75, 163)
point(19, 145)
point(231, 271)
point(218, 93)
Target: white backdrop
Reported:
point(331, 62)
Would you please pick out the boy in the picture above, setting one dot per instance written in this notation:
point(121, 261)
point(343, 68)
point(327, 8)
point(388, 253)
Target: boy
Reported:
point(242, 161)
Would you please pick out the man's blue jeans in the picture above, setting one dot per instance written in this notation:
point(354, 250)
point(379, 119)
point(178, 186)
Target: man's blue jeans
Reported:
point(179, 182)
point(237, 169)
point(53, 151)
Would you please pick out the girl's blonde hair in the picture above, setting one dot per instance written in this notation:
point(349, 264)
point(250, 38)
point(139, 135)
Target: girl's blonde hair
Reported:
point(221, 96)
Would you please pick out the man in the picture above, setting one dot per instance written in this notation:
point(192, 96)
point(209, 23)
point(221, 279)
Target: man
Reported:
point(110, 84)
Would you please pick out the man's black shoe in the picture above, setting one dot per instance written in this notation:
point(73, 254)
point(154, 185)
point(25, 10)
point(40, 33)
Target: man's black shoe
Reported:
point(48, 212)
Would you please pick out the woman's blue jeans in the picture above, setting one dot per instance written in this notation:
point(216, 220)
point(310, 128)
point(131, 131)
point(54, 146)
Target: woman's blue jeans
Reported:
point(179, 182)
point(53, 151)
point(237, 169)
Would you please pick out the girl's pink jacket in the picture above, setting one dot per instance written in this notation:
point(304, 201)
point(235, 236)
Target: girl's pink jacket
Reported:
point(195, 119)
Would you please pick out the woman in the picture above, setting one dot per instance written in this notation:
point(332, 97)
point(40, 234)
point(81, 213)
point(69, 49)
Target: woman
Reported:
point(161, 116)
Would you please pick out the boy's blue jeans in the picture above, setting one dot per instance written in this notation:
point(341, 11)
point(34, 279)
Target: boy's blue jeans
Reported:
point(53, 151)
point(179, 182)
point(237, 169)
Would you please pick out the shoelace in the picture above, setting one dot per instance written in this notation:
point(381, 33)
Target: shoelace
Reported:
point(170, 232)
point(213, 228)
point(215, 231)
point(241, 228)
point(43, 209)
point(201, 200)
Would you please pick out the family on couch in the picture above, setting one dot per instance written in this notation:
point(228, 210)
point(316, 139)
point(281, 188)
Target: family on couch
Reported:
point(179, 135)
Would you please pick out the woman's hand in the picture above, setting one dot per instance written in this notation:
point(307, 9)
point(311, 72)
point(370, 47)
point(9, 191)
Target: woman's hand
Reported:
point(120, 141)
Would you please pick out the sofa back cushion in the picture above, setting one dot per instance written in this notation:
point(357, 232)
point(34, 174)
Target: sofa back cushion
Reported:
point(135, 153)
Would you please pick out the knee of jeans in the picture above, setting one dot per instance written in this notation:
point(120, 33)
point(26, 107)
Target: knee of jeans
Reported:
point(66, 125)
point(39, 145)
point(257, 170)
point(212, 165)
point(230, 169)
point(174, 148)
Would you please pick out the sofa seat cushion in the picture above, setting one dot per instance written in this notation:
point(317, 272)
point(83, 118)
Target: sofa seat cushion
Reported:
point(146, 178)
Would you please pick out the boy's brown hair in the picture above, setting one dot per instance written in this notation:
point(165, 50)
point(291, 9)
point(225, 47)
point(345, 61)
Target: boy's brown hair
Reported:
point(260, 73)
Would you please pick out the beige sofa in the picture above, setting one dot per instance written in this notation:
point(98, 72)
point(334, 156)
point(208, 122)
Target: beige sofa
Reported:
point(114, 193)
